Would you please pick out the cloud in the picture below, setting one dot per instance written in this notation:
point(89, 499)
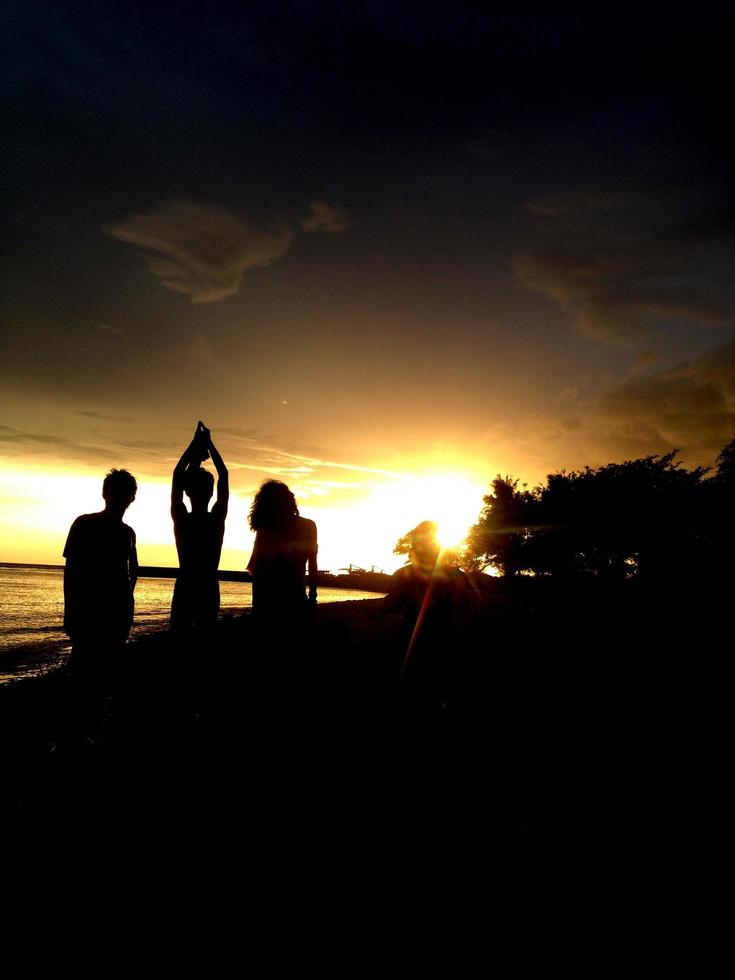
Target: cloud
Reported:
point(255, 454)
point(200, 250)
point(236, 431)
point(17, 443)
point(324, 217)
point(42, 447)
point(690, 407)
point(204, 251)
point(245, 451)
point(611, 298)
point(98, 416)
point(643, 362)
point(622, 264)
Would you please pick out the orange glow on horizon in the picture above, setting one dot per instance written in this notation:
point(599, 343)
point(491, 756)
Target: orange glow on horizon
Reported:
point(360, 526)
point(369, 529)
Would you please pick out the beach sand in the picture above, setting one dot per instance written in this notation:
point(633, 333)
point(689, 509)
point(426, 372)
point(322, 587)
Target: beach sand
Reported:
point(548, 730)
point(314, 737)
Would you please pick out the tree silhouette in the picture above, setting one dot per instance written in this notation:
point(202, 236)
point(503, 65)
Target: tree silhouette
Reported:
point(649, 518)
point(726, 465)
point(620, 519)
point(717, 518)
point(501, 535)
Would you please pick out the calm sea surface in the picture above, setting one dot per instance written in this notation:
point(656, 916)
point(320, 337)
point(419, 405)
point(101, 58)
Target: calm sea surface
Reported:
point(32, 641)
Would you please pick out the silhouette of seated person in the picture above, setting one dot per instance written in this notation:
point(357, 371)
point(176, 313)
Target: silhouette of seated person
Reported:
point(429, 593)
point(199, 534)
point(284, 559)
point(99, 578)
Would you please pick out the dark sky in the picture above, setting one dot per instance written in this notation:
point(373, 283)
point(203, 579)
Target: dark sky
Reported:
point(373, 235)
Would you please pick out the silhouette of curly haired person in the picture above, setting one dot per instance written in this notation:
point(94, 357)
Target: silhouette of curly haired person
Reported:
point(99, 578)
point(283, 562)
point(198, 532)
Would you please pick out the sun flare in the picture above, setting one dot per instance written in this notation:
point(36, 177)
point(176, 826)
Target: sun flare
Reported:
point(453, 501)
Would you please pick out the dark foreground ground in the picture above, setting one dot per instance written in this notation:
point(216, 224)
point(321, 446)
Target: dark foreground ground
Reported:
point(575, 717)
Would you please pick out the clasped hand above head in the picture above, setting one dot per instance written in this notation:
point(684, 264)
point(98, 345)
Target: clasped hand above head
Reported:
point(201, 441)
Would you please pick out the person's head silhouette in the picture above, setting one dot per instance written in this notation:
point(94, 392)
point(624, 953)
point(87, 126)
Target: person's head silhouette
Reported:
point(199, 487)
point(425, 547)
point(274, 507)
point(118, 491)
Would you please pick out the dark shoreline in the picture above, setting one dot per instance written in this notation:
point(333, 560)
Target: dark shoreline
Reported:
point(574, 710)
point(378, 582)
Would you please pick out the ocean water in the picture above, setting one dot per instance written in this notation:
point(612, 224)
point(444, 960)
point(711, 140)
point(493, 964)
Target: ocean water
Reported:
point(32, 640)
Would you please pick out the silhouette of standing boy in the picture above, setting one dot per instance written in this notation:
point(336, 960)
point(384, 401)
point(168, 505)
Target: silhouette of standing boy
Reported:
point(99, 579)
point(199, 533)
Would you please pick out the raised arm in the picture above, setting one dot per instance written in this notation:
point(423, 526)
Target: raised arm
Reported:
point(223, 478)
point(189, 458)
point(311, 565)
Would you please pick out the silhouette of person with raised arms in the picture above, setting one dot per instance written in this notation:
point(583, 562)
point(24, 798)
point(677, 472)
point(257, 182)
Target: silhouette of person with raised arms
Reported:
point(199, 534)
point(284, 559)
point(99, 579)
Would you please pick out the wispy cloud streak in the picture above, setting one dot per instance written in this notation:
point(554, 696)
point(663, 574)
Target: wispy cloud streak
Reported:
point(204, 251)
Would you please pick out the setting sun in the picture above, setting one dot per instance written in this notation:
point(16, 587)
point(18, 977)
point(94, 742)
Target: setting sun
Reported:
point(453, 502)
point(394, 507)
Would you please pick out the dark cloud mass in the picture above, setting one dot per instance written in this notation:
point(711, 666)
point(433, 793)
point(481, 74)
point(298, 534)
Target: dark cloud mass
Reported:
point(690, 407)
point(622, 264)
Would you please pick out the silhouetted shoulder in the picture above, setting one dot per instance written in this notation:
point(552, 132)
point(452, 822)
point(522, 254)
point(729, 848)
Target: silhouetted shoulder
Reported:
point(405, 589)
point(77, 533)
point(85, 520)
point(401, 576)
point(305, 533)
point(307, 528)
point(95, 535)
point(401, 580)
